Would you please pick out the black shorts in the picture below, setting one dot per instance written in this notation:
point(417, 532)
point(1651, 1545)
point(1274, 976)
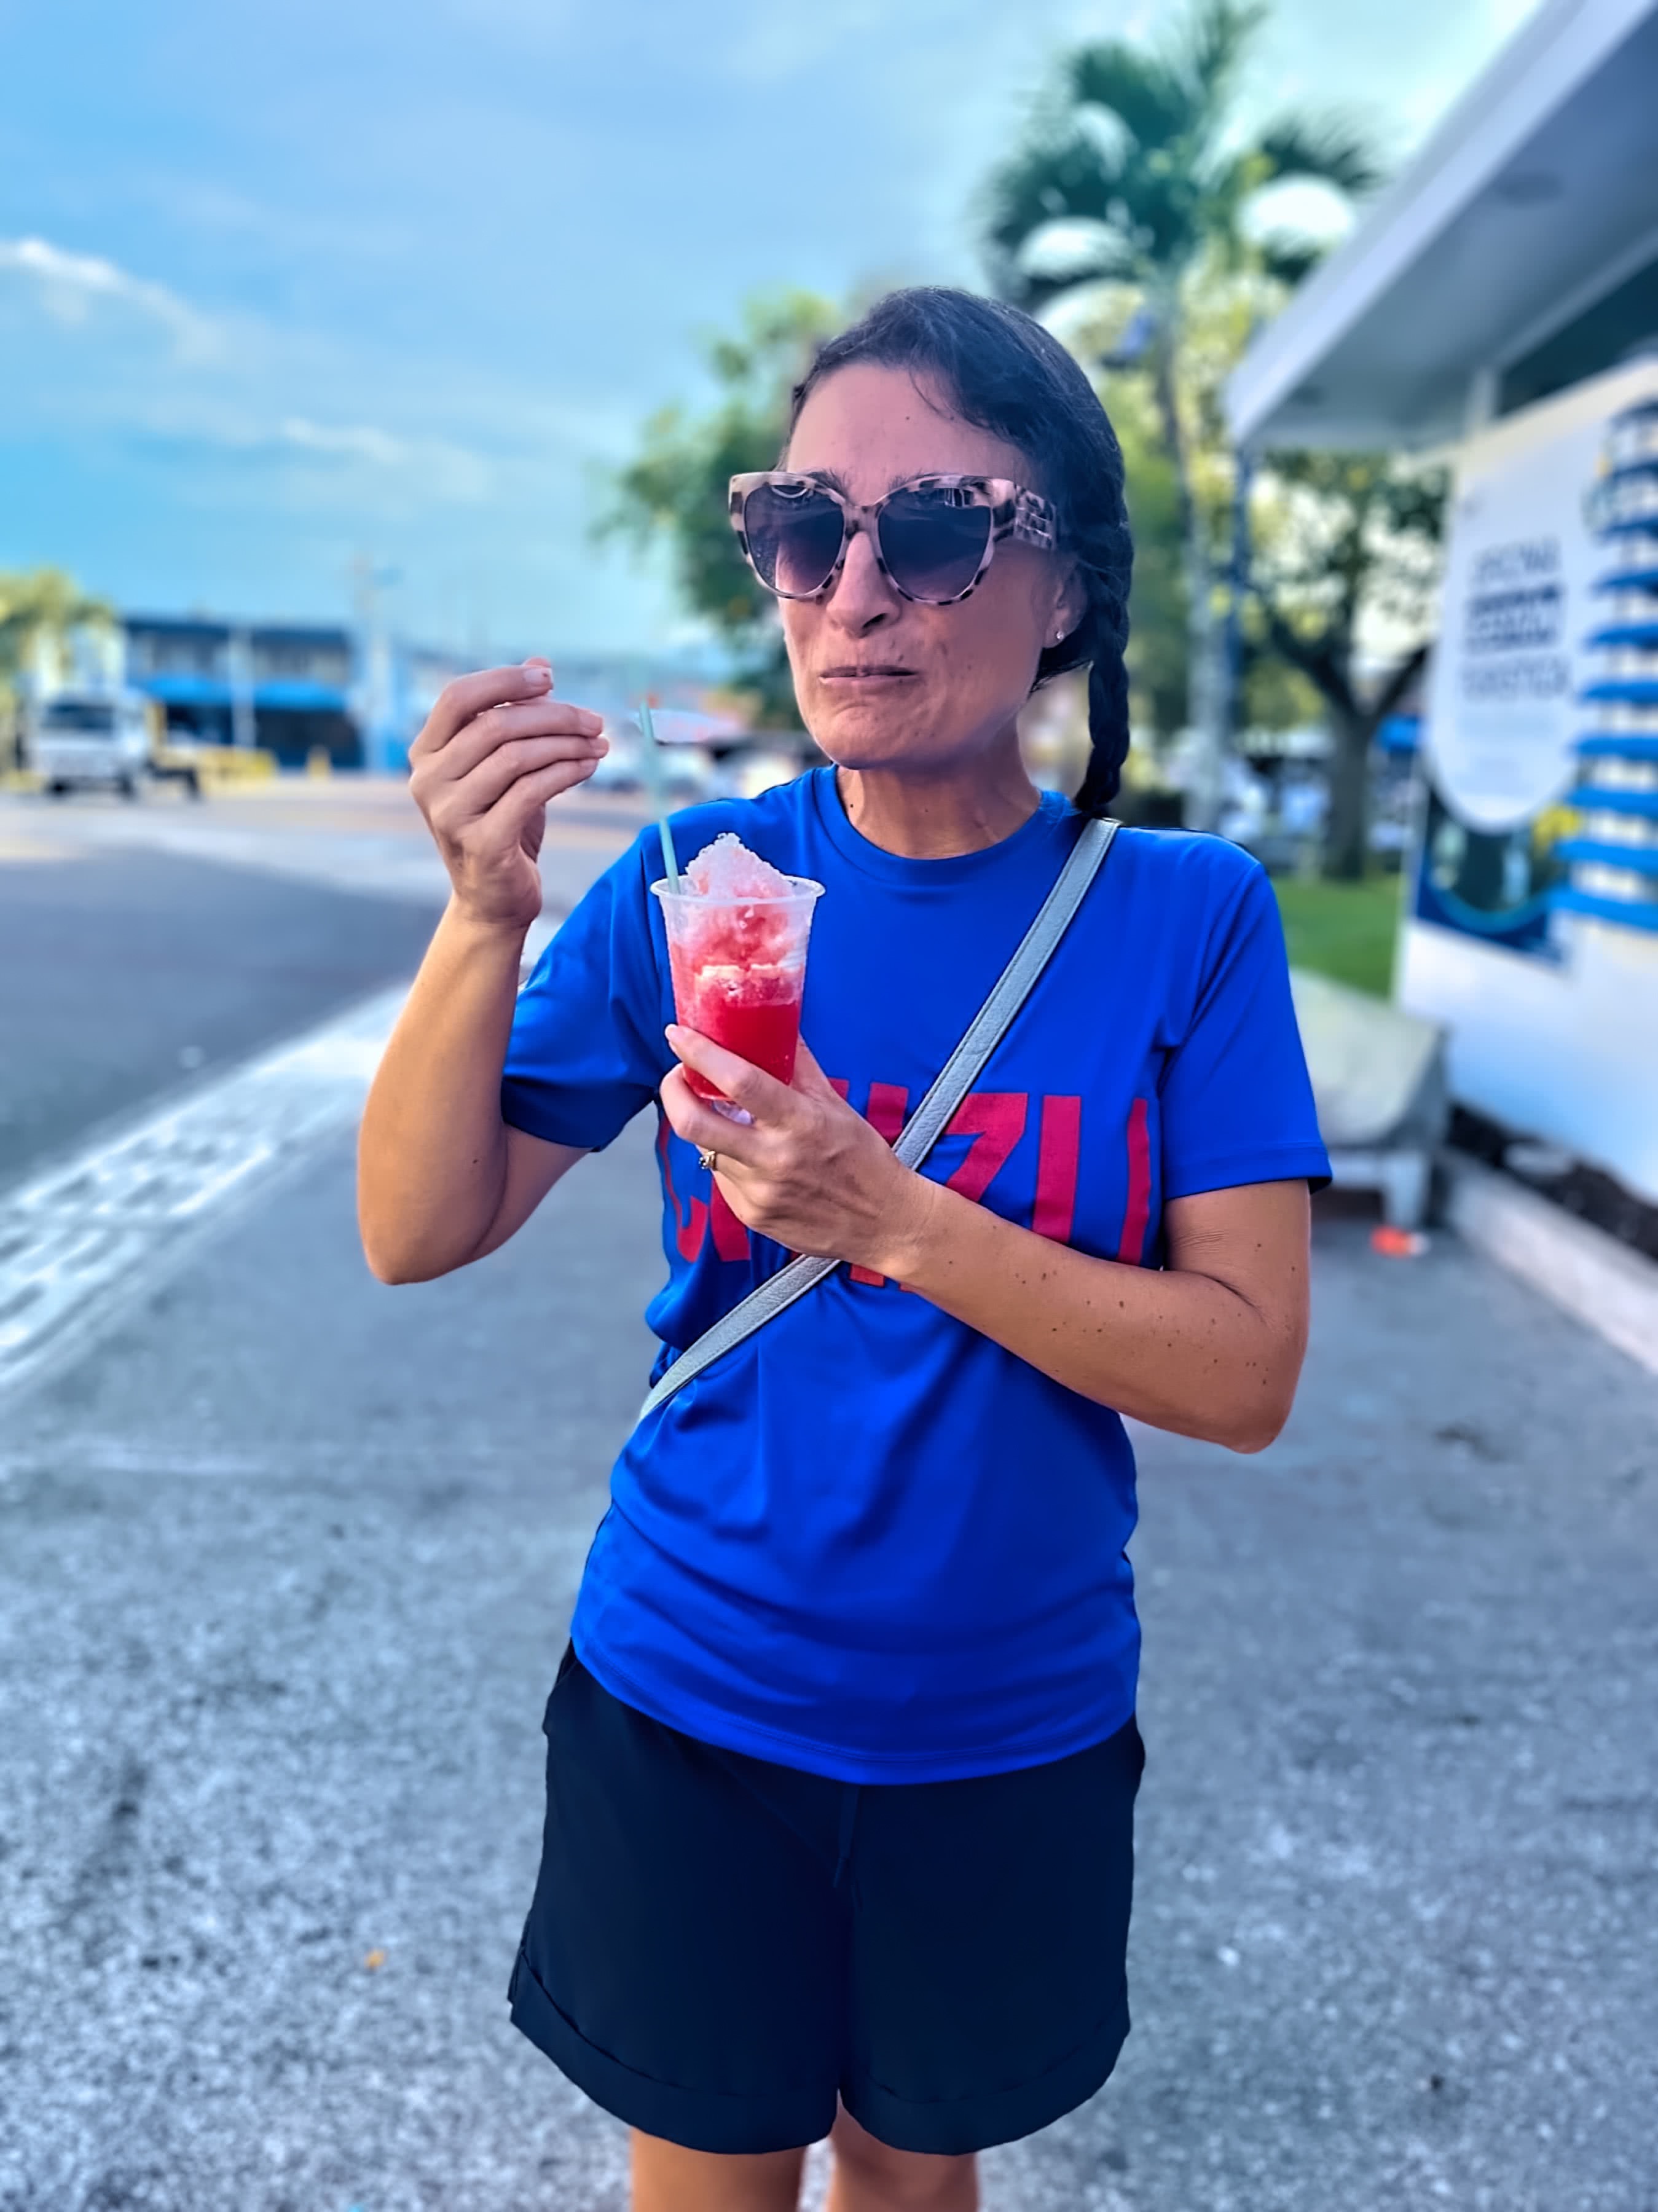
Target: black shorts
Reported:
point(720, 1948)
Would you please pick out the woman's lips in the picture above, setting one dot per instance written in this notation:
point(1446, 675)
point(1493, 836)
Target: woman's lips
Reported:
point(863, 678)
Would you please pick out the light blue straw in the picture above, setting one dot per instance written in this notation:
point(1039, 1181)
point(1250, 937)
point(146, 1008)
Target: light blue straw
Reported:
point(651, 760)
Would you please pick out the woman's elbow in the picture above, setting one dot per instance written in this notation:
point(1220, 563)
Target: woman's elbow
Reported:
point(389, 1266)
point(1250, 1437)
point(395, 1260)
point(1257, 1418)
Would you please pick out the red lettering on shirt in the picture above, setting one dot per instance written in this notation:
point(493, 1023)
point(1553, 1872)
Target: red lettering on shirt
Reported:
point(730, 1237)
point(1137, 1212)
point(885, 1116)
point(1058, 1149)
point(995, 1120)
point(887, 1104)
point(691, 1220)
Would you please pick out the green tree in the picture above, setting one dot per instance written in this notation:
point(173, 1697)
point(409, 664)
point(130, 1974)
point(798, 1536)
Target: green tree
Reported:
point(1350, 544)
point(675, 488)
point(1137, 175)
point(37, 603)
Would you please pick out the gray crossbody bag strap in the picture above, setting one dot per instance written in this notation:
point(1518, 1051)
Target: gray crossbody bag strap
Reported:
point(931, 1118)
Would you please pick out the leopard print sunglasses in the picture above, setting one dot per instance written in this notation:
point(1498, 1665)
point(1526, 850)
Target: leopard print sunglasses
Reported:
point(934, 537)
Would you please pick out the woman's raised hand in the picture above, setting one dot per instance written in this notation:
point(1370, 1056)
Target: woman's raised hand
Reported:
point(804, 1169)
point(496, 748)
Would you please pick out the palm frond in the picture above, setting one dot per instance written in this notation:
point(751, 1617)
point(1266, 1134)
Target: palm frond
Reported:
point(1055, 179)
point(1152, 102)
point(1072, 251)
point(1207, 53)
point(1333, 149)
point(1288, 259)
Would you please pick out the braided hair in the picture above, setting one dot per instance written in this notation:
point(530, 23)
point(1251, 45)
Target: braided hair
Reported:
point(1004, 373)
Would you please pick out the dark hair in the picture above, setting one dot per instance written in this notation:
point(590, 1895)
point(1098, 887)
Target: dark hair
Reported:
point(1003, 371)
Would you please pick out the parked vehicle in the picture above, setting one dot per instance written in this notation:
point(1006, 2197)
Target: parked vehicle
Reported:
point(81, 738)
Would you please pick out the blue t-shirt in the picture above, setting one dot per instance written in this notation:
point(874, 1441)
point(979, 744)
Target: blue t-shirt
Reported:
point(869, 1542)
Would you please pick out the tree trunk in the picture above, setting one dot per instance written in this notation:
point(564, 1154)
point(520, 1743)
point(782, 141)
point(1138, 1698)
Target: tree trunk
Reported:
point(1206, 692)
point(1205, 640)
point(1346, 830)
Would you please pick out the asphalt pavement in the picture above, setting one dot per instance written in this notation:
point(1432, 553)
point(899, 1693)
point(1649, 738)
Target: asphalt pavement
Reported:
point(145, 948)
point(130, 973)
point(286, 1561)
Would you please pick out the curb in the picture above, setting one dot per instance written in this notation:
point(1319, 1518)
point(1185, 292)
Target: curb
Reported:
point(1601, 1282)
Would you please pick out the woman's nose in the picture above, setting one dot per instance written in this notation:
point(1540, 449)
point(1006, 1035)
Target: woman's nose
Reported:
point(862, 595)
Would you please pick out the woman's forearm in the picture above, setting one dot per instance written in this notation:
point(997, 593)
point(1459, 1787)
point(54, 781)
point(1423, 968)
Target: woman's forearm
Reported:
point(1175, 1347)
point(431, 1159)
point(1209, 1346)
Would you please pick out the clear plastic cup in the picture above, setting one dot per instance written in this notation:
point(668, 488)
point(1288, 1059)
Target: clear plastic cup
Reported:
point(739, 969)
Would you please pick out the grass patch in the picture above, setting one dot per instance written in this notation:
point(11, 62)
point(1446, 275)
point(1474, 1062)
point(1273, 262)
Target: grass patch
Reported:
point(1344, 930)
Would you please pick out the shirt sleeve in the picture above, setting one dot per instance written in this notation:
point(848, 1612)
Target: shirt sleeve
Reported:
point(1237, 1103)
point(587, 1051)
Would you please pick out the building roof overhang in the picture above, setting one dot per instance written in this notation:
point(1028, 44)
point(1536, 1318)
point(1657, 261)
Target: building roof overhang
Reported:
point(1534, 198)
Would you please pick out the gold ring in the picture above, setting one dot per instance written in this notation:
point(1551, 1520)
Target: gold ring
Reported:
point(708, 1159)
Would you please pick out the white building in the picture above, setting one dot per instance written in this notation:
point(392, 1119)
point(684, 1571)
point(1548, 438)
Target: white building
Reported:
point(1502, 299)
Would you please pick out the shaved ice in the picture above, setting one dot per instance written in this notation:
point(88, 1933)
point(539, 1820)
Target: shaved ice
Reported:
point(727, 870)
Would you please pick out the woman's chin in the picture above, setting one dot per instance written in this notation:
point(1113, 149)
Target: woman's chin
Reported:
point(871, 733)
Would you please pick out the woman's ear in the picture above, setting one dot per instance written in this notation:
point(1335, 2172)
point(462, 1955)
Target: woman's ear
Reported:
point(1070, 605)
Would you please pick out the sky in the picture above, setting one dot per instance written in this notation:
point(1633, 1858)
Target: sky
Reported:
point(292, 293)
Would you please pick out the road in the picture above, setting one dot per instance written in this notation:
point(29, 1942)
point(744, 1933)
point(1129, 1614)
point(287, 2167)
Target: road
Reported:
point(285, 1563)
point(166, 940)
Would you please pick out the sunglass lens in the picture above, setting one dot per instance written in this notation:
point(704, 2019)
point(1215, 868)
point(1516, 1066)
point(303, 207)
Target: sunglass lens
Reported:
point(794, 538)
point(931, 545)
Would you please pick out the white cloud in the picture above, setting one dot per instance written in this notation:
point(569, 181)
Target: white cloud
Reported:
point(238, 385)
point(73, 284)
point(436, 470)
point(357, 442)
point(772, 43)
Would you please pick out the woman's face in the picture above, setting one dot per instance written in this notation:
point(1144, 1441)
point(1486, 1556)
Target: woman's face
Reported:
point(885, 682)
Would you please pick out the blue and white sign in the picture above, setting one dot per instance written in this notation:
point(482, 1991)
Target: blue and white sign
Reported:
point(1532, 931)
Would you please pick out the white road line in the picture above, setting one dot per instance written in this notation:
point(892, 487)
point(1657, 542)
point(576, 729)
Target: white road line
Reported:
point(76, 1244)
point(80, 1242)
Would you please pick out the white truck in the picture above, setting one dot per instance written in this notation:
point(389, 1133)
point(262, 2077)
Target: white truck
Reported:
point(79, 738)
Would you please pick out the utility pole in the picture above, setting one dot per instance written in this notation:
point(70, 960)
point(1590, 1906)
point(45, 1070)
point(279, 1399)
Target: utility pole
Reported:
point(239, 653)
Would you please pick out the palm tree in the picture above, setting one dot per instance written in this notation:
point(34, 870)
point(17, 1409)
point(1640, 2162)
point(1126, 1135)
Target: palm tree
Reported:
point(37, 603)
point(1137, 175)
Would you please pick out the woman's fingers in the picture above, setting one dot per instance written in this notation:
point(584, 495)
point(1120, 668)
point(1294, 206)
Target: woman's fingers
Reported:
point(698, 1123)
point(746, 1086)
point(501, 827)
point(810, 1081)
point(505, 724)
point(473, 795)
point(468, 696)
point(757, 1151)
point(496, 748)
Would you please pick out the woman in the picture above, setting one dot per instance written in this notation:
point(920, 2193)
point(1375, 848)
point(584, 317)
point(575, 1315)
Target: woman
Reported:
point(842, 1757)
